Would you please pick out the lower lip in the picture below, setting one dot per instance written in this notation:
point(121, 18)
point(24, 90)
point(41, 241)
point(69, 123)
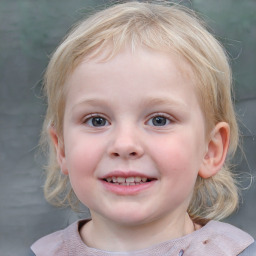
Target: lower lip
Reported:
point(127, 190)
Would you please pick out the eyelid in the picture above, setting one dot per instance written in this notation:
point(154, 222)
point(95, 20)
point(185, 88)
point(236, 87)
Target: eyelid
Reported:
point(92, 115)
point(168, 116)
point(161, 114)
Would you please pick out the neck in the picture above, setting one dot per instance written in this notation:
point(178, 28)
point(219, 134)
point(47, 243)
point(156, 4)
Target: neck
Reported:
point(111, 236)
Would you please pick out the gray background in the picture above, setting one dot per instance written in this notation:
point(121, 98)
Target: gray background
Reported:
point(29, 31)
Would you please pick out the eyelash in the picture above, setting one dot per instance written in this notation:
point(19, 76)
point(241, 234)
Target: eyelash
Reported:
point(168, 118)
point(90, 117)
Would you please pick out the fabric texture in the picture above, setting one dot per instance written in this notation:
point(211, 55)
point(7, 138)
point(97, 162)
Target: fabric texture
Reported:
point(215, 238)
point(249, 251)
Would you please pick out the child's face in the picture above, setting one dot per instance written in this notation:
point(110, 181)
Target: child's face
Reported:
point(131, 118)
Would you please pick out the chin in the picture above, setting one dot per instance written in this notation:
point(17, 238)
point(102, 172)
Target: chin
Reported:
point(130, 218)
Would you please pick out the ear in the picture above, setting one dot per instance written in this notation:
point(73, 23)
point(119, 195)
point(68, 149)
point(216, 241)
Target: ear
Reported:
point(60, 151)
point(216, 151)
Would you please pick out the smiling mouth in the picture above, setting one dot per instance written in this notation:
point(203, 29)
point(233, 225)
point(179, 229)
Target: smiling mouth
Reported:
point(129, 181)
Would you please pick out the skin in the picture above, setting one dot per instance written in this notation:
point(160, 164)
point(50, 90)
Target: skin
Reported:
point(127, 95)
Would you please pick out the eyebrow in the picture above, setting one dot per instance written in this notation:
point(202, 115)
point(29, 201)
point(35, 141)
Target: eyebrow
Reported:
point(149, 101)
point(164, 101)
point(90, 101)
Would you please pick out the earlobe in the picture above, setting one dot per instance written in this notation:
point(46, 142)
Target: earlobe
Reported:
point(216, 151)
point(60, 151)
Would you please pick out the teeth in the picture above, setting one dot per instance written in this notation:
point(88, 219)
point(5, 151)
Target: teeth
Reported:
point(138, 179)
point(130, 181)
point(120, 179)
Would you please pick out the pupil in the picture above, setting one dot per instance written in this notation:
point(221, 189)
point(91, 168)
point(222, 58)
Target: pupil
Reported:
point(98, 121)
point(159, 121)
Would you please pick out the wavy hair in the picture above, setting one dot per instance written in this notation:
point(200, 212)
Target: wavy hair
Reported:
point(162, 27)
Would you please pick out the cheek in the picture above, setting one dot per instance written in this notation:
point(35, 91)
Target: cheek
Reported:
point(82, 161)
point(82, 156)
point(179, 172)
point(178, 158)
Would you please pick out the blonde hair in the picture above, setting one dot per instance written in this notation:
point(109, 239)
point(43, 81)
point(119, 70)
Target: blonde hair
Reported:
point(168, 28)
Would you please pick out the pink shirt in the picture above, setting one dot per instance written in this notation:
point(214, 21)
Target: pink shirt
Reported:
point(214, 239)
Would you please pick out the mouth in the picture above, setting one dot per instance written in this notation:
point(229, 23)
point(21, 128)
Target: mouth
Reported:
point(128, 181)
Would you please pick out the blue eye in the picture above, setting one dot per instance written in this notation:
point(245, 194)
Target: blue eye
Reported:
point(159, 121)
point(97, 121)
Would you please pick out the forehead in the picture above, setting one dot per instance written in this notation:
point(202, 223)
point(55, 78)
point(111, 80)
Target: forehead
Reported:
point(141, 56)
point(143, 71)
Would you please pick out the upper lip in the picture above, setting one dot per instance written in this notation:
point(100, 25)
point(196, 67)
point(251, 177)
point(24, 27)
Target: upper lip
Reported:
point(126, 174)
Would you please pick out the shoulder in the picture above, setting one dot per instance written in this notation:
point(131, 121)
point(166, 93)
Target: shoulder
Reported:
point(249, 251)
point(57, 243)
point(225, 237)
point(227, 230)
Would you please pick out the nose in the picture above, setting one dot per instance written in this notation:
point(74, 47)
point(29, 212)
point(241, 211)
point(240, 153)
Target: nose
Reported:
point(126, 144)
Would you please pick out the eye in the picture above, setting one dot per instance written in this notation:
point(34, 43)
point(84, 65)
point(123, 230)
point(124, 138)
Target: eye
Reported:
point(96, 121)
point(159, 120)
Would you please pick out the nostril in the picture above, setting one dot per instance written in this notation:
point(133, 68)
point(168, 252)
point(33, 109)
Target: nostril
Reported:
point(132, 154)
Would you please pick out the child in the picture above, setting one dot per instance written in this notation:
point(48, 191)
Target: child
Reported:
point(140, 122)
